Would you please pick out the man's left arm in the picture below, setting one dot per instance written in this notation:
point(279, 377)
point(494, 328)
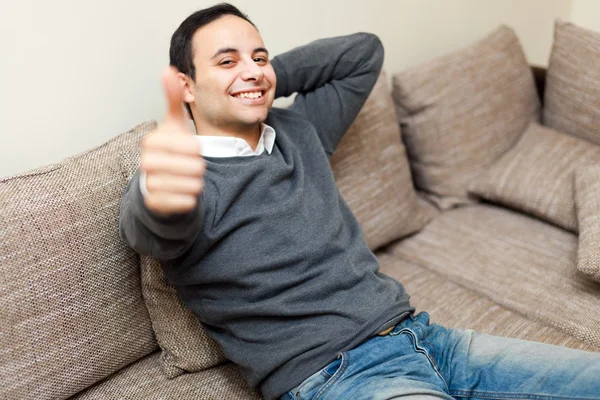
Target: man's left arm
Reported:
point(333, 78)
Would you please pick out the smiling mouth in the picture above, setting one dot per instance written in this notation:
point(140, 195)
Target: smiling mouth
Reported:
point(248, 95)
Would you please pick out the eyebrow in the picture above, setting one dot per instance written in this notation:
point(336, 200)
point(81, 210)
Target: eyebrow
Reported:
point(225, 50)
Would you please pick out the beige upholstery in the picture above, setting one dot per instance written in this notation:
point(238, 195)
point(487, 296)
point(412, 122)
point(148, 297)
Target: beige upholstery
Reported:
point(457, 308)
point(536, 175)
point(373, 175)
point(145, 380)
point(454, 306)
point(523, 264)
point(72, 307)
point(462, 111)
point(374, 179)
point(572, 95)
point(587, 199)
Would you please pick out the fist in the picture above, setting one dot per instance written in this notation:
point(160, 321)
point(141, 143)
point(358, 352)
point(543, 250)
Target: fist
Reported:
point(171, 157)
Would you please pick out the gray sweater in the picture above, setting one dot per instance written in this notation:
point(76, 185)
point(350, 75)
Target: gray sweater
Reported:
point(272, 261)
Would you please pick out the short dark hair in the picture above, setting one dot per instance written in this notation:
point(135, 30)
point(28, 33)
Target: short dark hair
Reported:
point(181, 52)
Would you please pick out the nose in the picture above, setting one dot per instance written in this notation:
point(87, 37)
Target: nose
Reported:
point(251, 71)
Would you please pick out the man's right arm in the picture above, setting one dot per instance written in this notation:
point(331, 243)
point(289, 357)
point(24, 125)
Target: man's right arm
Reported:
point(163, 237)
point(164, 221)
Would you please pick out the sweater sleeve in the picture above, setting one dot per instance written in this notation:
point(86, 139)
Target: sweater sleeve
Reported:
point(332, 78)
point(163, 238)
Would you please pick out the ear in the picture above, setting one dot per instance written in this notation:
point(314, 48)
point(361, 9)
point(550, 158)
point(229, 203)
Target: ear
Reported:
point(188, 85)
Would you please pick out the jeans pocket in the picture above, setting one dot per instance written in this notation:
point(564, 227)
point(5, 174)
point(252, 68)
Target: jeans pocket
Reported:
point(315, 384)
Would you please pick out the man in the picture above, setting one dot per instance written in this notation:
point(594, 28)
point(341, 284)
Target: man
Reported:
point(251, 230)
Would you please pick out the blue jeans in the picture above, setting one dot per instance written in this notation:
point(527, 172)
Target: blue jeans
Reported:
point(426, 360)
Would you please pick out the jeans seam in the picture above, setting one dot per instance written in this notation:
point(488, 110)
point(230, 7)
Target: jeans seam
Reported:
point(335, 377)
point(422, 350)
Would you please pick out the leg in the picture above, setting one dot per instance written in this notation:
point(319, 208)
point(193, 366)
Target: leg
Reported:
point(489, 367)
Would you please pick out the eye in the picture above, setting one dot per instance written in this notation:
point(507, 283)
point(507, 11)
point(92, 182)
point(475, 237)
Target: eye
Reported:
point(260, 60)
point(226, 62)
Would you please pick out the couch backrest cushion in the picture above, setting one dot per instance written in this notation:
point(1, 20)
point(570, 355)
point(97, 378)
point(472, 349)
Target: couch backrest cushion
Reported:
point(460, 112)
point(72, 307)
point(587, 201)
point(572, 95)
point(536, 175)
point(373, 175)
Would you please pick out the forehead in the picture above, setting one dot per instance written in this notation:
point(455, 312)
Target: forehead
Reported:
point(228, 31)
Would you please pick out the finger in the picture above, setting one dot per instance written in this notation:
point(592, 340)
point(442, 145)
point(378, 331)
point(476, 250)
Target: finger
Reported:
point(174, 143)
point(174, 96)
point(166, 183)
point(168, 203)
point(166, 163)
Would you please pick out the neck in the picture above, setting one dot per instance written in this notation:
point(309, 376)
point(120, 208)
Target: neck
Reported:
point(251, 134)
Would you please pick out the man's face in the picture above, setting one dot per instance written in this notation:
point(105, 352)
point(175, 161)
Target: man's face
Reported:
point(235, 82)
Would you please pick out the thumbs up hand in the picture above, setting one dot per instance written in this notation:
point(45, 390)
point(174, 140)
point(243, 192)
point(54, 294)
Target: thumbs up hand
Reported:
point(171, 157)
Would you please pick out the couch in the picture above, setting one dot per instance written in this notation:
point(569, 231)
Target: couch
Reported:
point(479, 194)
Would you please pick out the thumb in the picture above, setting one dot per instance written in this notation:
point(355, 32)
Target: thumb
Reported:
point(174, 96)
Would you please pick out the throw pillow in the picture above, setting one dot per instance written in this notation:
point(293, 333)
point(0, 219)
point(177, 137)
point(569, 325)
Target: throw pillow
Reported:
point(459, 113)
point(535, 176)
point(373, 176)
point(587, 200)
point(571, 100)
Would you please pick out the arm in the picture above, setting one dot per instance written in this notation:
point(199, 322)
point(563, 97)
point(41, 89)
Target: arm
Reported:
point(333, 78)
point(160, 237)
point(164, 220)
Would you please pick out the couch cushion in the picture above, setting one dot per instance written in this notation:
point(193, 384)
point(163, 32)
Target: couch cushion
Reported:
point(372, 173)
point(455, 306)
point(462, 111)
point(72, 307)
point(144, 380)
point(573, 82)
point(521, 263)
point(587, 200)
point(536, 175)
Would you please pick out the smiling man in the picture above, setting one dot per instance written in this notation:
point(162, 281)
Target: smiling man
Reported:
point(250, 228)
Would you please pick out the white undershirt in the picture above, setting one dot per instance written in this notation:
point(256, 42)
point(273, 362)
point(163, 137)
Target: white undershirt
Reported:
point(227, 146)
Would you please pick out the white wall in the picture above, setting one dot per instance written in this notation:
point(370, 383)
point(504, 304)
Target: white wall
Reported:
point(586, 13)
point(75, 73)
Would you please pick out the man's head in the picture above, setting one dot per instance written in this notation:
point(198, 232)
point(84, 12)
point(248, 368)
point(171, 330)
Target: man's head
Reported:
point(230, 83)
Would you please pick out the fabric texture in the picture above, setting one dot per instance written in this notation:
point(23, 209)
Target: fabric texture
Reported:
point(72, 307)
point(536, 175)
point(144, 380)
point(372, 173)
point(587, 200)
point(573, 82)
point(419, 358)
point(523, 264)
point(460, 112)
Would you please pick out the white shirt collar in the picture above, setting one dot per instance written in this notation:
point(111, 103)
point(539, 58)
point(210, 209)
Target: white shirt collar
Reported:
point(230, 146)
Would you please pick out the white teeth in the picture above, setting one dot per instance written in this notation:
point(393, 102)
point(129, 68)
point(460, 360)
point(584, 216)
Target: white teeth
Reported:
point(249, 95)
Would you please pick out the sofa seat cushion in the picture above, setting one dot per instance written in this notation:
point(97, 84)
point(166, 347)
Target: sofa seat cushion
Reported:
point(521, 263)
point(454, 306)
point(145, 380)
